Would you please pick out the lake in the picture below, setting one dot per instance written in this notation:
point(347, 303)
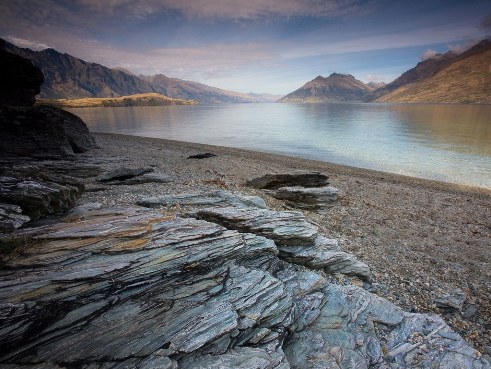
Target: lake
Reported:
point(445, 142)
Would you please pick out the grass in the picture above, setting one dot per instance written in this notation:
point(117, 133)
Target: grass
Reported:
point(149, 99)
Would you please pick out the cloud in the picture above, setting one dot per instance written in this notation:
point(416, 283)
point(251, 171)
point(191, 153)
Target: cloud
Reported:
point(21, 42)
point(428, 54)
point(223, 9)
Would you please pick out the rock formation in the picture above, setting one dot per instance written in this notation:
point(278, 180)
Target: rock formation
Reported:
point(141, 288)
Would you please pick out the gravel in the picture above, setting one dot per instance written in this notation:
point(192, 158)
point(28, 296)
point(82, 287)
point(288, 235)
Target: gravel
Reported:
point(423, 239)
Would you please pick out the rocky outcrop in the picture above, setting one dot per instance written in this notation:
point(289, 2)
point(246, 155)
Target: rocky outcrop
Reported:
point(20, 81)
point(35, 132)
point(140, 288)
point(128, 176)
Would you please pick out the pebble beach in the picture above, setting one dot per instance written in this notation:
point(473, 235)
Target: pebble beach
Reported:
point(427, 242)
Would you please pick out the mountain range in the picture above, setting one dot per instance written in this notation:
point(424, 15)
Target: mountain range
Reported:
point(444, 78)
point(67, 77)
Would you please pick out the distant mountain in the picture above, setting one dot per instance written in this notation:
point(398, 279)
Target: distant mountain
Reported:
point(448, 78)
point(264, 97)
point(189, 90)
point(67, 77)
point(335, 88)
point(376, 85)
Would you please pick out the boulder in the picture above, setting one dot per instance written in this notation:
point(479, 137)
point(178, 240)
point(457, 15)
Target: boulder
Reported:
point(27, 131)
point(11, 218)
point(275, 181)
point(42, 132)
point(451, 300)
point(20, 80)
point(316, 199)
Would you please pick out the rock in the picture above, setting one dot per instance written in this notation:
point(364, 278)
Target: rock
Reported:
point(40, 194)
point(123, 174)
point(453, 300)
point(275, 181)
point(298, 240)
point(11, 218)
point(121, 284)
point(470, 311)
point(20, 80)
point(144, 178)
point(42, 133)
point(27, 131)
point(318, 198)
point(204, 199)
point(202, 156)
point(135, 288)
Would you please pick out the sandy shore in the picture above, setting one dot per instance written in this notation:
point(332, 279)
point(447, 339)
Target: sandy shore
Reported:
point(422, 239)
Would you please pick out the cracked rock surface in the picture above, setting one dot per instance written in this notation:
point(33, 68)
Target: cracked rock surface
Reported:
point(133, 287)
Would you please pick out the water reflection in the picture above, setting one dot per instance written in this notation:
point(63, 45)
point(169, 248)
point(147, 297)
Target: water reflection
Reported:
point(447, 142)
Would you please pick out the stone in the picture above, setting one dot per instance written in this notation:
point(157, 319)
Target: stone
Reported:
point(133, 287)
point(204, 199)
point(205, 155)
point(11, 218)
point(40, 194)
point(42, 133)
point(297, 239)
point(20, 80)
point(452, 300)
point(123, 174)
point(303, 179)
point(317, 198)
point(144, 178)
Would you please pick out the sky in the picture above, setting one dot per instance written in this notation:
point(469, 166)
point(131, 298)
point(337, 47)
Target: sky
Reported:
point(263, 46)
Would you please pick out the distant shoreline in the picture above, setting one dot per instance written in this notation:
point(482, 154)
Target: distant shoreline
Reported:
point(149, 99)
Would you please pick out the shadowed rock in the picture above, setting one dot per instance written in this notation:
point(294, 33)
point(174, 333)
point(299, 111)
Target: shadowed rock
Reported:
point(275, 181)
point(318, 198)
point(11, 218)
point(20, 80)
point(122, 174)
point(205, 155)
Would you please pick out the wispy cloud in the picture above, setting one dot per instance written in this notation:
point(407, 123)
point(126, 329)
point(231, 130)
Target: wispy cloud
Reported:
point(222, 9)
point(21, 42)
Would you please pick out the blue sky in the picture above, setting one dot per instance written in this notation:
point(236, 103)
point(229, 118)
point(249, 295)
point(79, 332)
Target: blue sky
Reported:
point(272, 46)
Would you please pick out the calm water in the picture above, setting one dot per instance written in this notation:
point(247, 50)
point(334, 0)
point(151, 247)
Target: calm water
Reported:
point(444, 142)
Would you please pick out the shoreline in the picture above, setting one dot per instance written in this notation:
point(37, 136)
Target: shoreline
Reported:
point(423, 239)
point(341, 168)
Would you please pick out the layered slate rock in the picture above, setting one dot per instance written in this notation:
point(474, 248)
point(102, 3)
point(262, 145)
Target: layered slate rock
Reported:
point(11, 218)
point(302, 190)
point(130, 176)
point(219, 198)
point(317, 199)
point(135, 286)
point(298, 240)
point(303, 179)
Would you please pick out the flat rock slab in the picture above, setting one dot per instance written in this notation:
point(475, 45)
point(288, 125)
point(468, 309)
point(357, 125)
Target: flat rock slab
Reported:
point(275, 181)
point(204, 199)
point(317, 198)
point(122, 174)
point(144, 178)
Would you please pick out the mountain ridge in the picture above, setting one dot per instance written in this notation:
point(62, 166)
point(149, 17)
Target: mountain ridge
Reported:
point(68, 77)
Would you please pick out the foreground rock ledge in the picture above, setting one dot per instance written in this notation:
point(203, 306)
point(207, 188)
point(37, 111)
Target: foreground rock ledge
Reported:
point(138, 288)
